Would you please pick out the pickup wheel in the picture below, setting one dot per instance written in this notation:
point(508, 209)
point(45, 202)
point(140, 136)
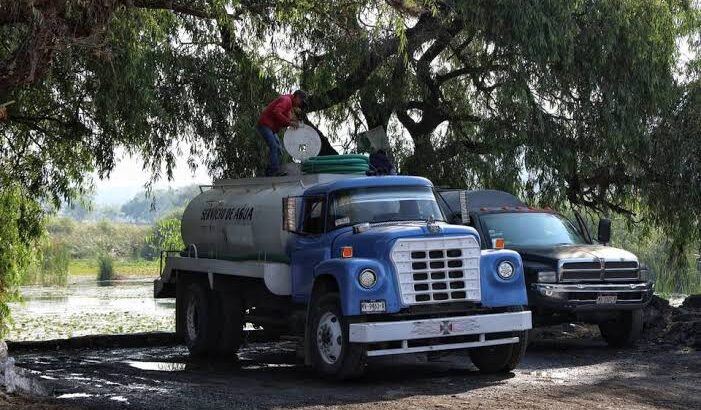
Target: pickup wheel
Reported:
point(331, 353)
point(624, 330)
point(501, 358)
point(200, 324)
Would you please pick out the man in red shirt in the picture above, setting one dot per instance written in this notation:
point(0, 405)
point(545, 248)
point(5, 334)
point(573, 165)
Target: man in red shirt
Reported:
point(276, 115)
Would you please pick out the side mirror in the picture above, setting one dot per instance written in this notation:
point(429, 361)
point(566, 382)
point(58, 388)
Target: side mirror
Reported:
point(289, 214)
point(464, 212)
point(604, 230)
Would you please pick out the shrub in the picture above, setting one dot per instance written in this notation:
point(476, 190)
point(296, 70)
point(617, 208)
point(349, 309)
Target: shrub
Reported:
point(21, 220)
point(50, 268)
point(88, 240)
point(60, 226)
point(105, 267)
point(165, 234)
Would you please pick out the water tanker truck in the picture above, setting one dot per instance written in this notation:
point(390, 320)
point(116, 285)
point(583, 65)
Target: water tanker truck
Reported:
point(350, 266)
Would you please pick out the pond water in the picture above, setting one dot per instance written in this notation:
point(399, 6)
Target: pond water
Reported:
point(90, 307)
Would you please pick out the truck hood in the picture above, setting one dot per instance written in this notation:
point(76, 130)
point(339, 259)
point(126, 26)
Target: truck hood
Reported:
point(376, 242)
point(552, 254)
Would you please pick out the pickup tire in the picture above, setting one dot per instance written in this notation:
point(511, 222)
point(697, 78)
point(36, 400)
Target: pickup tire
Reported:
point(200, 320)
point(624, 330)
point(331, 354)
point(501, 358)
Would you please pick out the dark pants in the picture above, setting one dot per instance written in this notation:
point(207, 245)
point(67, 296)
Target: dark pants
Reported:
point(274, 145)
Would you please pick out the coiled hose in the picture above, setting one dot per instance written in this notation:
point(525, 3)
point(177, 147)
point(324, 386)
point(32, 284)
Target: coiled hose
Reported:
point(337, 164)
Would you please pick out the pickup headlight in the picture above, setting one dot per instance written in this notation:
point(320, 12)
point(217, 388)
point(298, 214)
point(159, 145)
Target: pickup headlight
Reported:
point(367, 278)
point(547, 276)
point(644, 273)
point(505, 270)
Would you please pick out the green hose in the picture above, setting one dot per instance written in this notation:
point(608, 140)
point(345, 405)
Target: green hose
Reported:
point(336, 164)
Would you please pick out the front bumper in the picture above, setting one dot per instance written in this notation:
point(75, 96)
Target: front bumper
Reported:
point(414, 336)
point(584, 296)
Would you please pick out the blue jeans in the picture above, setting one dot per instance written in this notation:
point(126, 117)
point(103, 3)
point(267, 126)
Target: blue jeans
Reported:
point(274, 144)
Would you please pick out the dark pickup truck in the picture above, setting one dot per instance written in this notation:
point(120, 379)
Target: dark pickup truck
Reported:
point(569, 276)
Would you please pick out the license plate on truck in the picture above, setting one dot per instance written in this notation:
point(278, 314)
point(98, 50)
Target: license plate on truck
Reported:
point(606, 299)
point(373, 306)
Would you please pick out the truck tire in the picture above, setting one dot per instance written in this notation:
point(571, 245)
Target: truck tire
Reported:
point(501, 358)
point(624, 330)
point(231, 325)
point(331, 353)
point(200, 327)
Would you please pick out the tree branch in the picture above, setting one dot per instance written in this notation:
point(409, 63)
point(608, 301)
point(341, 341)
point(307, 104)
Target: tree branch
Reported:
point(377, 55)
point(441, 78)
point(182, 7)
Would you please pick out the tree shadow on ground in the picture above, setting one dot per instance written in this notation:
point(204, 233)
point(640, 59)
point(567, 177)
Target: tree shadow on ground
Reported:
point(269, 375)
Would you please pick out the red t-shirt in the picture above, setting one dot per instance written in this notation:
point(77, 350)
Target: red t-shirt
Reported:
point(277, 114)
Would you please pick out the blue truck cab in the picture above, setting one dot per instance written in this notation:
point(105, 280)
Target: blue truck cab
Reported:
point(382, 274)
point(368, 267)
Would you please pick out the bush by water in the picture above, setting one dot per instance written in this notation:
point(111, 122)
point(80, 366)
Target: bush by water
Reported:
point(106, 267)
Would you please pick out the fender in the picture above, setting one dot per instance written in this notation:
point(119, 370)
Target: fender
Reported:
point(346, 271)
point(498, 292)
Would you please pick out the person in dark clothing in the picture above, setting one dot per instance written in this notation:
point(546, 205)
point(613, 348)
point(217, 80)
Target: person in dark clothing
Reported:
point(380, 164)
point(276, 115)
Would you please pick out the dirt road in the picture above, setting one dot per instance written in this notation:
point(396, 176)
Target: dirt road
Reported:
point(556, 373)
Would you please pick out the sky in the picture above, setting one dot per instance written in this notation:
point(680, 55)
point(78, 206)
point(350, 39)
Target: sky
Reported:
point(128, 179)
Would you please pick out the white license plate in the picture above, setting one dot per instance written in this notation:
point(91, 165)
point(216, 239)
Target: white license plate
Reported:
point(606, 299)
point(374, 306)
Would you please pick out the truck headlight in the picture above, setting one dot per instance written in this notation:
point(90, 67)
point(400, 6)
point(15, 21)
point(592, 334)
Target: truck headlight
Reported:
point(547, 276)
point(505, 270)
point(644, 274)
point(367, 278)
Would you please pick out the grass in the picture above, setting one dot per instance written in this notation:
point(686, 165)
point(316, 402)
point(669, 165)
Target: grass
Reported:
point(84, 268)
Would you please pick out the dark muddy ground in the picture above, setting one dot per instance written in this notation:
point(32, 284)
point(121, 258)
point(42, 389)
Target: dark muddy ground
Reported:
point(565, 367)
point(561, 370)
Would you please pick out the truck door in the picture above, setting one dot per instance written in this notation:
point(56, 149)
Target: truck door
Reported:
point(309, 247)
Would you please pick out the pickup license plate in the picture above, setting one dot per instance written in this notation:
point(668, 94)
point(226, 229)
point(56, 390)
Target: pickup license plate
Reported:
point(606, 299)
point(373, 306)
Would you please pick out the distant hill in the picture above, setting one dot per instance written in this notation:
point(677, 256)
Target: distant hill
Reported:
point(140, 209)
point(143, 209)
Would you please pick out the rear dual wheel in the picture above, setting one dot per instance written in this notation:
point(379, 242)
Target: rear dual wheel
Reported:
point(213, 322)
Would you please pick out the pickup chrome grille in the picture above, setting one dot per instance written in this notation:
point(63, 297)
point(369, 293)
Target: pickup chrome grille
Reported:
point(437, 270)
point(591, 270)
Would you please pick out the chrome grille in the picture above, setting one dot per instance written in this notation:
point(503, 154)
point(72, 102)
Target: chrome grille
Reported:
point(591, 270)
point(437, 270)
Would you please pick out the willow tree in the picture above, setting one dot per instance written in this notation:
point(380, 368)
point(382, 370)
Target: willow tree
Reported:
point(557, 101)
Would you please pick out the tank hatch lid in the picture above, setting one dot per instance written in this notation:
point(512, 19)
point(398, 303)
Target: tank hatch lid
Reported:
point(302, 143)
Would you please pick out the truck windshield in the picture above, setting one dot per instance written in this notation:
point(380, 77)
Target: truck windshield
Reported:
point(383, 204)
point(531, 229)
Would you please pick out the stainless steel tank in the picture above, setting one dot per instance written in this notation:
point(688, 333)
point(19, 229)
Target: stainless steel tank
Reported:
point(242, 218)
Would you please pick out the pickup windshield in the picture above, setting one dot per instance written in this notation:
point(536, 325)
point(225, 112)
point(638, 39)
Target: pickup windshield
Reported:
point(531, 229)
point(383, 204)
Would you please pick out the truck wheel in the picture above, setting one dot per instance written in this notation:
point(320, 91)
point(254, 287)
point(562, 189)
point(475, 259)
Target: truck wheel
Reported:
point(331, 353)
point(231, 326)
point(501, 358)
point(624, 330)
point(200, 324)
